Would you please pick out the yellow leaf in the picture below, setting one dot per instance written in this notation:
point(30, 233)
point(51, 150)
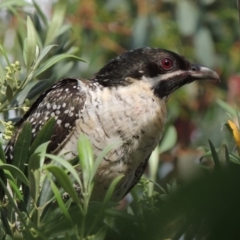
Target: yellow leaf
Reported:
point(236, 133)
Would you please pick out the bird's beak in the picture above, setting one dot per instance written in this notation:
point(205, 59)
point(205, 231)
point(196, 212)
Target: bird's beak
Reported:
point(199, 72)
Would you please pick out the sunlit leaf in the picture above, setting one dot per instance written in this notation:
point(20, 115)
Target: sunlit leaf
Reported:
point(86, 159)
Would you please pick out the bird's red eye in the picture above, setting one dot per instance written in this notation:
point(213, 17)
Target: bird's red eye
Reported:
point(167, 63)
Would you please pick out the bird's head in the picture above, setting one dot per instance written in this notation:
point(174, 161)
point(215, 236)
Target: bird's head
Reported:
point(164, 70)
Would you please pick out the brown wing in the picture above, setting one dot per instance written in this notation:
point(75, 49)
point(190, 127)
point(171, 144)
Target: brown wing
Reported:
point(64, 101)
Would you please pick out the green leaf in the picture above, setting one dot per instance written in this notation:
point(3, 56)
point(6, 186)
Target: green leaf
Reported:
point(34, 175)
point(12, 205)
point(153, 168)
point(63, 180)
point(50, 62)
point(223, 155)
point(56, 22)
point(43, 53)
point(21, 148)
point(214, 155)
point(31, 44)
point(44, 135)
point(17, 173)
point(2, 155)
point(2, 73)
point(24, 92)
point(9, 93)
point(112, 188)
point(2, 50)
point(101, 234)
point(61, 204)
point(40, 12)
point(67, 166)
point(10, 3)
point(4, 220)
point(36, 161)
point(42, 149)
point(16, 189)
point(85, 154)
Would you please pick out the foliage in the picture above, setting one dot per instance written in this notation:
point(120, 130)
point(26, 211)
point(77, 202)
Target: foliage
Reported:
point(40, 201)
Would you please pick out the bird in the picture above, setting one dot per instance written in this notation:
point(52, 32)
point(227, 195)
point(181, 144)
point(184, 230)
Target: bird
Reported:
point(124, 102)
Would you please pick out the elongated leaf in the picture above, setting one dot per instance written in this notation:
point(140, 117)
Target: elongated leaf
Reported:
point(21, 149)
point(23, 94)
point(2, 73)
point(31, 44)
point(2, 50)
point(44, 135)
point(13, 205)
point(214, 155)
point(10, 3)
point(50, 62)
point(63, 180)
point(5, 220)
point(56, 22)
point(43, 53)
point(41, 14)
point(2, 155)
point(112, 187)
point(17, 174)
point(34, 170)
point(60, 201)
point(153, 168)
point(66, 165)
point(86, 159)
point(34, 175)
point(15, 189)
point(223, 155)
point(46, 194)
point(9, 93)
point(101, 234)
point(42, 150)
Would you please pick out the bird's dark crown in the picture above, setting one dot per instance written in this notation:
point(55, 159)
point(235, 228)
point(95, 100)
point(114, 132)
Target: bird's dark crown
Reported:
point(166, 70)
point(136, 64)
